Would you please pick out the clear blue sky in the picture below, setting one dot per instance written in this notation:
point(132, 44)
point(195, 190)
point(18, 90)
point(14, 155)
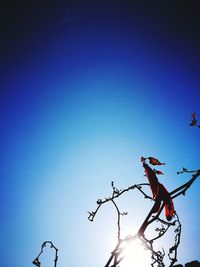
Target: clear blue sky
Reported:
point(82, 100)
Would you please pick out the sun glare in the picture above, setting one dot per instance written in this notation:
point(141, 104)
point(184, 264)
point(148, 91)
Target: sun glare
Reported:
point(135, 255)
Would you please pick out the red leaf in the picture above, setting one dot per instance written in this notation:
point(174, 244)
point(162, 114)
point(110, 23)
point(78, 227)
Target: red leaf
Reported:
point(193, 115)
point(155, 161)
point(160, 193)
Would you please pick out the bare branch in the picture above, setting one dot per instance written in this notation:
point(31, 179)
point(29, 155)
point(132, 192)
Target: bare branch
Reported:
point(36, 260)
point(183, 188)
point(115, 194)
point(157, 256)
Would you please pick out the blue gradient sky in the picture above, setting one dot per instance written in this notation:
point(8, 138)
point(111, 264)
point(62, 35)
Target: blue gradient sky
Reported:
point(81, 102)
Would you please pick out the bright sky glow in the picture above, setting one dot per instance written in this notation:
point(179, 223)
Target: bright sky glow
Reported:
point(78, 111)
point(135, 255)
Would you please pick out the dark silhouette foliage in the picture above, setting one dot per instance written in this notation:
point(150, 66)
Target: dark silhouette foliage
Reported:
point(162, 200)
point(192, 264)
point(160, 193)
point(189, 264)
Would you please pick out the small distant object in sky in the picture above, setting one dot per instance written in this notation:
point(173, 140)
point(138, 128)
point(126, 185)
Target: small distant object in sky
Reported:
point(194, 120)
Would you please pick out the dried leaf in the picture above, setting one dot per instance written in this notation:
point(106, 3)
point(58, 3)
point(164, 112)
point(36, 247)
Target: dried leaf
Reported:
point(155, 161)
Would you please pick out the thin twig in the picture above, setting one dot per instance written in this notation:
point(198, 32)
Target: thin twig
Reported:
point(116, 194)
point(37, 262)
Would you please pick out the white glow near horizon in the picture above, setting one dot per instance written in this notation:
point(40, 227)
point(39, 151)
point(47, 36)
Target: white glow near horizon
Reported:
point(136, 255)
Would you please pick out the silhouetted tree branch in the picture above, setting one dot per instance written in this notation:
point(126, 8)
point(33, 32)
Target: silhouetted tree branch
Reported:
point(36, 260)
point(157, 256)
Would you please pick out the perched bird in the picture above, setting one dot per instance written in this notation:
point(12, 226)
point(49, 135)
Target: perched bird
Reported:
point(155, 161)
point(160, 193)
